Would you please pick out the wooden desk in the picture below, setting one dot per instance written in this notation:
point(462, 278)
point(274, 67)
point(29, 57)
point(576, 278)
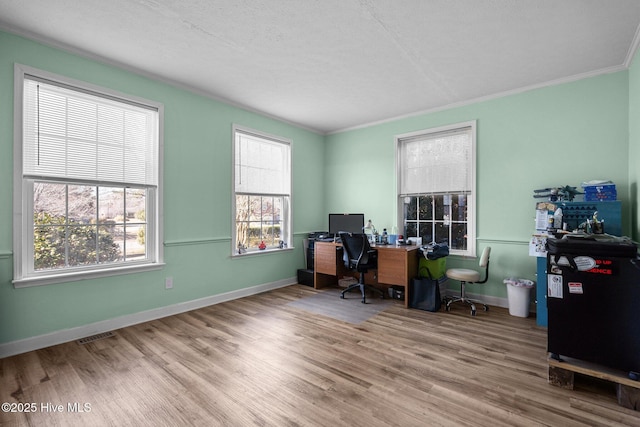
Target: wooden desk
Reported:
point(397, 265)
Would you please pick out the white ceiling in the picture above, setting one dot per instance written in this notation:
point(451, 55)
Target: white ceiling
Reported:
point(330, 65)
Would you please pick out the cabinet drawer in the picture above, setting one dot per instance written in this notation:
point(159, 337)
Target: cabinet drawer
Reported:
point(325, 259)
point(392, 267)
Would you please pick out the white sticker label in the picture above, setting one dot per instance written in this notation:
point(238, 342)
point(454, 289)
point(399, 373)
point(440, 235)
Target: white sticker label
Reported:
point(554, 286)
point(583, 263)
point(575, 287)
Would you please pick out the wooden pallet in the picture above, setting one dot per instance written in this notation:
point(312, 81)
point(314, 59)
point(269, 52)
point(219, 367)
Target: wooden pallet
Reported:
point(561, 374)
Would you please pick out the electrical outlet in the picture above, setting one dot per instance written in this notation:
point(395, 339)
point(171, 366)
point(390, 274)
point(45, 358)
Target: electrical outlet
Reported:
point(168, 283)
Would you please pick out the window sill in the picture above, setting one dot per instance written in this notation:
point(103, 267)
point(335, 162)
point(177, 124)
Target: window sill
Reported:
point(464, 255)
point(260, 252)
point(84, 275)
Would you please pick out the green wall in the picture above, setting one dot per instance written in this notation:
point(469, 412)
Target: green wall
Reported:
point(197, 212)
point(553, 136)
point(634, 147)
point(559, 135)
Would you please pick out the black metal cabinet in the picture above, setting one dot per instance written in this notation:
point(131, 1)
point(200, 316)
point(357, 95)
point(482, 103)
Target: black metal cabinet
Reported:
point(593, 301)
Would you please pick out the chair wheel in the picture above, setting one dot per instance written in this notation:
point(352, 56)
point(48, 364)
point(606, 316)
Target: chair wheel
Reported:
point(447, 307)
point(341, 296)
point(473, 312)
point(486, 308)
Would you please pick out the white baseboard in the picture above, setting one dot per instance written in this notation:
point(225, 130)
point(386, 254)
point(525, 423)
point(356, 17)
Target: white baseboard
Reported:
point(487, 299)
point(66, 335)
point(492, 301)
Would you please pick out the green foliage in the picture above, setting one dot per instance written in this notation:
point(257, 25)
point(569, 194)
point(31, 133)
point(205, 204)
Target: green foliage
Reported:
point(270, 234)
point(142, 216)
point(56, 239)
point(141, 235)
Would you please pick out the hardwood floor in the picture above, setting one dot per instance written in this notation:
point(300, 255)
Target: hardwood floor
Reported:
point(259, 361)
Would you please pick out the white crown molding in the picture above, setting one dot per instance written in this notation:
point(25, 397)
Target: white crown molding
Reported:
point(633, 49)
point(550, 83)
point(123, 66)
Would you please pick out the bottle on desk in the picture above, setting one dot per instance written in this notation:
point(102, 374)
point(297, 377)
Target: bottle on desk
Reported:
point(385, 236)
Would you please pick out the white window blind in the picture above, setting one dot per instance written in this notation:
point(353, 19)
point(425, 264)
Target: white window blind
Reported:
point(262, 165)
point(436, 162)
point(76, 135)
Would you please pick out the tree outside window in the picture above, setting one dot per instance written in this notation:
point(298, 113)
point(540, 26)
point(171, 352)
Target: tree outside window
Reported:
point(437, 218)
point(262, 182)
point(82, 225)
point(88, 188)
point(436, 186)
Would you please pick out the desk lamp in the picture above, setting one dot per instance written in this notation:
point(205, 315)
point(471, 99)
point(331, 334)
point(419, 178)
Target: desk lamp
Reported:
point(370, 231)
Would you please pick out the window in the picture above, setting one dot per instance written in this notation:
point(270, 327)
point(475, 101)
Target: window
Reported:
point(87, 181)
point(262, 192)
point(436, 186)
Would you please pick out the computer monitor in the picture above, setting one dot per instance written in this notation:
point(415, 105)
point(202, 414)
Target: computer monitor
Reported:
point(351, 223)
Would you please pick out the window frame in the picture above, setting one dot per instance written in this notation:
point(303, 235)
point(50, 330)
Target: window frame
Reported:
point(471, 196)
point(287, 203)
point(23, 225)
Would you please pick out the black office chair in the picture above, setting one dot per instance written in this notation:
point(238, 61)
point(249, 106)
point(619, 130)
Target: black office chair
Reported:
point(464, 276)
point(358, 256)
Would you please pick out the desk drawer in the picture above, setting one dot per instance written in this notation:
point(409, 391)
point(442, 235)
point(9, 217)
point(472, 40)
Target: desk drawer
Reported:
point(326, 259)
point(392, 267)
